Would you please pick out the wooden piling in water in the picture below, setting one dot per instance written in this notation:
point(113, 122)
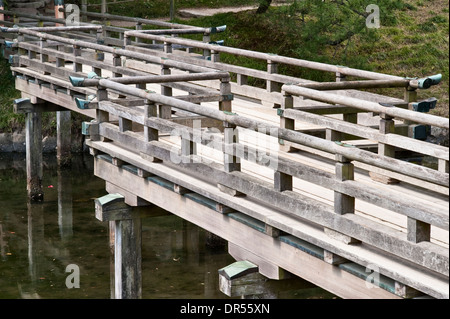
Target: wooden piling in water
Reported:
point(33, 145)
point(126, 229)
point(63, 131)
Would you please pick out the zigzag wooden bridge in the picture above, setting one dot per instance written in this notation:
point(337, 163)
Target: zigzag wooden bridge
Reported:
point(299, 177)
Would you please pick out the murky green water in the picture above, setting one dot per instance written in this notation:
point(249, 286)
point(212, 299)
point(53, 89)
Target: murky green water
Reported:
point(39, 240)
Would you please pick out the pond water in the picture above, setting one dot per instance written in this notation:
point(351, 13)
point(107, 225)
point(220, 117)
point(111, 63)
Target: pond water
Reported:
point(39, 240)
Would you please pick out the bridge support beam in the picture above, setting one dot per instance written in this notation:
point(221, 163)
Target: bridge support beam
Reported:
point(125, 237)
point(33, 141)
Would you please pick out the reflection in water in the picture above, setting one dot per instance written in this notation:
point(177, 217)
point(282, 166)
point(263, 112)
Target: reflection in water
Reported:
point(39, 240)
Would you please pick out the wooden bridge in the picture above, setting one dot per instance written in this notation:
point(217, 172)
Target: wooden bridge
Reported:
point(300, 177)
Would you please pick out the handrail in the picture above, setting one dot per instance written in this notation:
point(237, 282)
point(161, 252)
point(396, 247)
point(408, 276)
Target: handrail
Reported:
point(367, 106)
point(265, 56)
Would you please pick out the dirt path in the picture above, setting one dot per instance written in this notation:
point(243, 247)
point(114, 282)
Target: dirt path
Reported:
point(204, 12)
point(190, 13)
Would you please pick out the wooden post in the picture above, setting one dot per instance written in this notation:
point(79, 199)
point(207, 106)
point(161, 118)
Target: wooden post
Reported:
point(150, 134)
point(43, 57)
point(138, 27)
point(64, 137)
point(206, 39)
point(167, 47)
point(387, 126)
point(241, 279)
point(127, 244)
point(231, 162)
point(33, 124)
point(282, 181)
point(165, 111)
point(418, 231)
point(77, 67)
point(343, 204)
point(215, 56)
point(286, 123)
point(410, 96)
point(271, 86)
point(225, 91)
point(443, 165)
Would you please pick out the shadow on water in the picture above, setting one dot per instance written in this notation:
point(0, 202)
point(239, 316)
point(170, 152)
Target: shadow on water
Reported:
point(39, 240)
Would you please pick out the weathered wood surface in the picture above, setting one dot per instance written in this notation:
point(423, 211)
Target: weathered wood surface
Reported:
point(267, 214)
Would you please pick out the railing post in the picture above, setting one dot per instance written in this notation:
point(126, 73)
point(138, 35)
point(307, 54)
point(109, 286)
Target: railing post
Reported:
point(138, 28)
point(167, 47)
point(206, 39)
point(150, 134)
point(272, 86)
point(410, 96)
point(165, 111)
point(282, 181)
point(99, 56)
point(286, 123)
point(443, 165)
point(343, 204)
point(33, 138)
point(215, 56)
point(77, 67)
point(418, 231)
point(231, 162)
point(101, 116)
point(225, 91)
point(43, 57)
point(387, 126)
point(241, 79)
point(126, 234)
point(351, 117)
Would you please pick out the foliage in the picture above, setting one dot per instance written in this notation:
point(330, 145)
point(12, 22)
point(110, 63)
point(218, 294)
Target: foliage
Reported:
point(9, 121)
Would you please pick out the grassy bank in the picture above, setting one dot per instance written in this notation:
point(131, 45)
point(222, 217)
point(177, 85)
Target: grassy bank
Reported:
point(161, 8)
